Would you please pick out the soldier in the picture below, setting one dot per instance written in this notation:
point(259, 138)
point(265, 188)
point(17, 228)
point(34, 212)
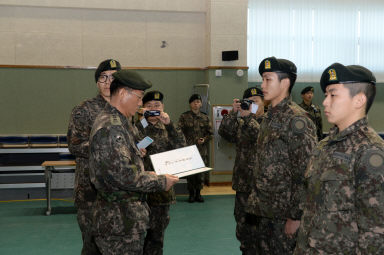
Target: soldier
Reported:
point(344, 205)
point(197, 129)
point(79, 128)
point(165, 137)
point(243, 131)
point(313, 110)
point(286, 139)
point(120, 214)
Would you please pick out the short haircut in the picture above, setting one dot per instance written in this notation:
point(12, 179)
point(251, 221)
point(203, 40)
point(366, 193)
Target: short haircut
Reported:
point(368, 89)
point(291, 77)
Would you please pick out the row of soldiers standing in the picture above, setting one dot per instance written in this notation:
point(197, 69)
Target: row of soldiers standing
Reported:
point(293, 194)
point(122, 205)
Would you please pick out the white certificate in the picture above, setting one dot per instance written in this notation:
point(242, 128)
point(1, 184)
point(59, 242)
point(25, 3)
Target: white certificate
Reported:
point(180, 162)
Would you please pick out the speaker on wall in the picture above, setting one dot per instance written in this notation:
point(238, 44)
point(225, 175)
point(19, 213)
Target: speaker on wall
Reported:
point(230, 55)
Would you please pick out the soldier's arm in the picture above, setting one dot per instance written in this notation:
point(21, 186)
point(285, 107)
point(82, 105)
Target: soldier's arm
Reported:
point(370, 201)
point(78, 132)
point(111, 159)
point(250, 128)
point(229, 126)
point(301, 144)
point(176, 136)
point(208, 131)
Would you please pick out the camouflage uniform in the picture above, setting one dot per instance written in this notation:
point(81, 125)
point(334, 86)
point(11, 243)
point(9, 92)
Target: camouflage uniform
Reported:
point(285, 142)
point(120, 215)
point(165, 138)
point(242, 131)
point(315, 115)
point(344, 205)
point(195, 126)
point(79, 129)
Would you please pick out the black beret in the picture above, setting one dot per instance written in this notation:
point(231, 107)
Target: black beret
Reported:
point(273, 64)
point(194, 97)
point(153, 95)
point(253, 91)
point(106, 65)
point(130, 79)
point(338, 73)
point(307, 89)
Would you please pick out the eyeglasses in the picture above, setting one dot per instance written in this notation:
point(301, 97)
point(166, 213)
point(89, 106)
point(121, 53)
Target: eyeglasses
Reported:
point(103, 78)
point(138, 96)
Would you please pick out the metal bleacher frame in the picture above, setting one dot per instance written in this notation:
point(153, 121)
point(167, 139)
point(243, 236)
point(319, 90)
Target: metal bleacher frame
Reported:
point(29, 170)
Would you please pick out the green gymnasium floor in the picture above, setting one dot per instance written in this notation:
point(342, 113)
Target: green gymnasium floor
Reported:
point(204, 229)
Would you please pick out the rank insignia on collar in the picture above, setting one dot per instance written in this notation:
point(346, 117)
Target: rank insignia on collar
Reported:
point(112, 63)
point(332, 74)
point(115, 120)
point(267, 64)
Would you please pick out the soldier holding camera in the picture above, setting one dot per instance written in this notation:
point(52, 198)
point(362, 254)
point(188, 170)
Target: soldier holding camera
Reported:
point(313, 110)
point(243, 131)
point(158, 126)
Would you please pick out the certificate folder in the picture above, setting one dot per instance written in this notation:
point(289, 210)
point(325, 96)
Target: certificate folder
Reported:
point(180, 162)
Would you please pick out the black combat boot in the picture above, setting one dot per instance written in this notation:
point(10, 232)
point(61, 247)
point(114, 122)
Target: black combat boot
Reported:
point(198, 197)
point(191, 198)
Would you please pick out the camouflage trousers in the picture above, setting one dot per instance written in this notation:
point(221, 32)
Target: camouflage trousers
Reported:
point(270, 237)
point(121, 245)
point(84, 219)
point(245, 233)
point(195, 182)
point(158, 222)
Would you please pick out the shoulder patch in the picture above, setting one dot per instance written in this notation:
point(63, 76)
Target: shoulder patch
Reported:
point(374, 159)
point(298, 125)
point(115, 120)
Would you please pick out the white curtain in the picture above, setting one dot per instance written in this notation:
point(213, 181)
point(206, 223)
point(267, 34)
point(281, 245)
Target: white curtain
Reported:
point(315, 34)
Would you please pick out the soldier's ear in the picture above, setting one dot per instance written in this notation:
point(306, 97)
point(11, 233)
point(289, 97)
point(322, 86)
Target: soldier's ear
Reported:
point(359, 101)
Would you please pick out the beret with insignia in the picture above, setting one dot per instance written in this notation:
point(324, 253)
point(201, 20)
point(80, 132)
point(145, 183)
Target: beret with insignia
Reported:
point(194, 97)
point(253, 91)
point(130, 79)
point(273, 64)
point(338, 73)
point(307, 89)
point(153, 95)
point(106, 65)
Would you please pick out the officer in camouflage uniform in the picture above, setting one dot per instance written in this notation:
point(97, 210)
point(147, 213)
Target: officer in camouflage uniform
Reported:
point(79, 128)
point(313, 110)
point(344, 202)
point(197, 129)
point(286, 139)
point(243, 131)
point(165, 137)
point(120, 214)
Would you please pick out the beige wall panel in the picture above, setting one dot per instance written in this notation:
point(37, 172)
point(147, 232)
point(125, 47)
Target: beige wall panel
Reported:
point(229, 18)
point(7, 48)
point(130, 51)
point(221, 43)
point(48, 49)
point(117, 23)
point(7, 18)
point(51, 20)
point(116, 4)
point(176, 5)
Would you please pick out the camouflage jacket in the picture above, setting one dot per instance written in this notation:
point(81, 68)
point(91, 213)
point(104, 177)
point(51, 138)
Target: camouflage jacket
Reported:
point(79, 129)
point(195, 126)
point(344, 202)
point(243, 132)
point(285, 142)
point(165, 138)
point(117, 171)
point(315, 115)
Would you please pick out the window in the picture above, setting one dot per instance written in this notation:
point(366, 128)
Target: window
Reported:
point(315, 34)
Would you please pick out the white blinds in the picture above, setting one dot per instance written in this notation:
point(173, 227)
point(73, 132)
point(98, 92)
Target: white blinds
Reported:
point(315, 34)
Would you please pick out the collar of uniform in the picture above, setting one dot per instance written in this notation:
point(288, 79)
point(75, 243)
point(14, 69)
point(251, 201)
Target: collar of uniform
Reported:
point(280, 106)
point(113, 110)
point(100, 98)
point(335, 136)
point(196, 114)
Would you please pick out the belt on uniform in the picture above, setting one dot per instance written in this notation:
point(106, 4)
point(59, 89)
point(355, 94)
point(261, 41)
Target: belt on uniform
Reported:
point(121, 196)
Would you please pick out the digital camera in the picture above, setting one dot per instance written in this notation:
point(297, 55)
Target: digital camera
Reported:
point(151, 113)
point(245, 104)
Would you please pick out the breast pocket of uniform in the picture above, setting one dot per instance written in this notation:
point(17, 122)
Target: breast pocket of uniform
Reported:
point(337, 186)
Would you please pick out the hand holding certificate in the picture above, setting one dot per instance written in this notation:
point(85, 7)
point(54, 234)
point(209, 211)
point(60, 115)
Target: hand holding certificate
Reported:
point(180, 162)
